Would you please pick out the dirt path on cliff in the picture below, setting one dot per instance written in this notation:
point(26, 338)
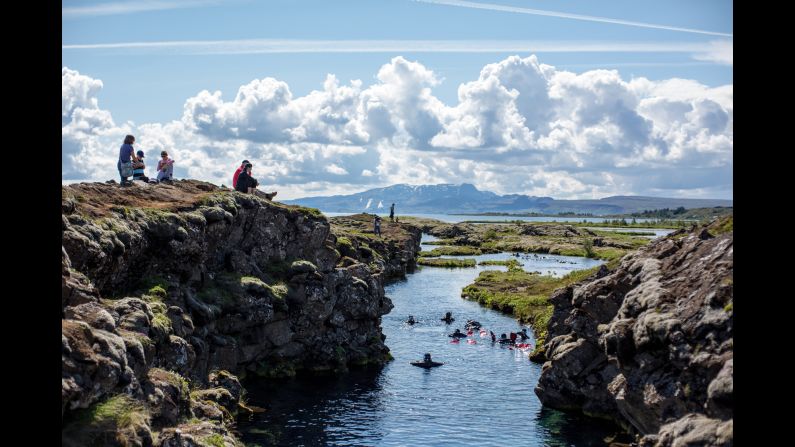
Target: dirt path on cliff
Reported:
point(97, 199)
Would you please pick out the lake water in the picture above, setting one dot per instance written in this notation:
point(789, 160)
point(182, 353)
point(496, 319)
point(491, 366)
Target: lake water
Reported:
point(657, 231)
point(455, 218)
point(482, 395)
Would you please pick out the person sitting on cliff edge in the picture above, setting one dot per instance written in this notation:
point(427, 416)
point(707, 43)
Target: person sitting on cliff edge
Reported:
point(139, 167)
point(239, 169)
point(165, 168)
point(245, 182)
point(248, 184)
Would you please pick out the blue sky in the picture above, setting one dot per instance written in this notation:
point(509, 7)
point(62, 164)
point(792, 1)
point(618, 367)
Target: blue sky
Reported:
point(223, 46)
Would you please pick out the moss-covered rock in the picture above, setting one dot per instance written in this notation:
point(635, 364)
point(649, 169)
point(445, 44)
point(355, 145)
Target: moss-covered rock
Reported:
point(118, 420)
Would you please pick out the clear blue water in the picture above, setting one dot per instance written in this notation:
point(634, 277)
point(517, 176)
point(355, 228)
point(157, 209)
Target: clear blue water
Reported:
point(482, 395)
point(657, 231)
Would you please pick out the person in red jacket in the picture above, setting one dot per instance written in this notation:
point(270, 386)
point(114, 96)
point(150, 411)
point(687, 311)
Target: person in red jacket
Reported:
point(237, 173)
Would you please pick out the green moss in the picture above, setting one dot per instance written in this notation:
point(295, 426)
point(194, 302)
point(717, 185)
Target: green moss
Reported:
point(222, 199)
point(314, 212)
point(158, 291)
point(729, 307)
point(609, 253)
point(214, 440)
point(162, 323)
point(508, 263)
point(115, 421)
point(162, 216)
point(446, 262)
point(173, 378)
point(157, 306)
point(196, 218)
point(144, 340)
point(721, 226)
point(452, 251)
point(302, 266)
point(346, 247)
point(280, 291)
point(247, 281)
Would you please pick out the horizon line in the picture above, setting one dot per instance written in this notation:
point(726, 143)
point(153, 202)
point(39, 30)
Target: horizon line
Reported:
point(512, 193)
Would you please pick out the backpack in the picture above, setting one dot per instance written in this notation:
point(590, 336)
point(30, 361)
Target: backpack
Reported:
point(126, 169)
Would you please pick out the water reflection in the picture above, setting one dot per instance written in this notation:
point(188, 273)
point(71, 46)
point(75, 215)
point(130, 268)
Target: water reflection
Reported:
point(482, 395)
point(566, 429)
point(309, 411)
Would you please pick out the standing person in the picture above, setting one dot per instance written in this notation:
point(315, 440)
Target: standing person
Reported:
point(245, 182)
point(126, 157)
point(165, 167)
point(392, 212)
point(138, 168)
point(240, 169)
point(377, 225)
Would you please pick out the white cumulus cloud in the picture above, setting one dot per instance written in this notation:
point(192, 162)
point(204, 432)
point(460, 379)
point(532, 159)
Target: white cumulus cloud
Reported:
point(521, 127)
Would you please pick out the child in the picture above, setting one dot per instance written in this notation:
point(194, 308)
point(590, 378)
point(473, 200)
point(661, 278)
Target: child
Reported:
point(138, 168)
point(165, 167)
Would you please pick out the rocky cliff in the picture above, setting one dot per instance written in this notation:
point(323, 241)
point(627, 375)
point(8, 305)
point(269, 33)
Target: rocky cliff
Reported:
point(166, 286)
point(394, 252)
point(650, 344)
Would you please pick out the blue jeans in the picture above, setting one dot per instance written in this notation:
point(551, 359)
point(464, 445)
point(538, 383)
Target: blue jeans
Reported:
point(118, 166)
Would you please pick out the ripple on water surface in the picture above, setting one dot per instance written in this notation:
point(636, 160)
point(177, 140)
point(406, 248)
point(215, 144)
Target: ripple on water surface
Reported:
point(482, 394)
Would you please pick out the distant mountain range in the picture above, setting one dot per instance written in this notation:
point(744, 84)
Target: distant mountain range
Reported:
point(466, 198)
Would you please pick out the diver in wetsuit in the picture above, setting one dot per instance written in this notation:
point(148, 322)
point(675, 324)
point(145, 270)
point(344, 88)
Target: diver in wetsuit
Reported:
point(457, 334)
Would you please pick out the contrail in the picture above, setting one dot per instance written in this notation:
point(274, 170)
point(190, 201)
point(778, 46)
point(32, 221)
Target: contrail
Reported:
point(255, 46)
point(565, 15)
point(131, 7)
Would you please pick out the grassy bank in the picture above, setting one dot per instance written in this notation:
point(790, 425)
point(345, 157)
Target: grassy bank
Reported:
point(452, 251)
point(446, 262)
point(540, 237)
